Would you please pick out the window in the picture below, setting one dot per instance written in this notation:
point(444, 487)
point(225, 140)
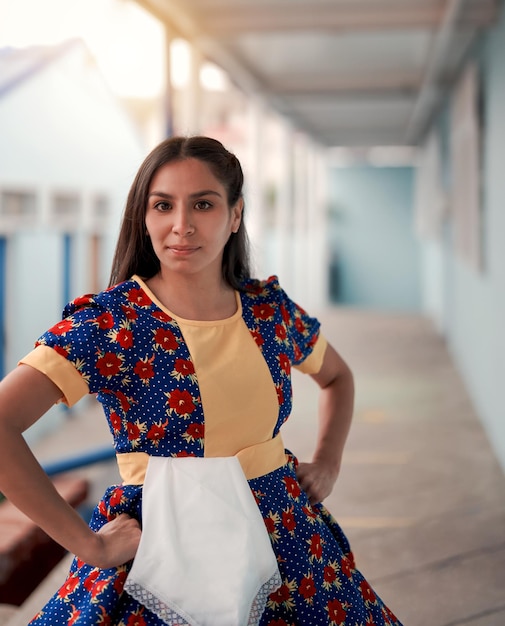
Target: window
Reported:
point(65, 205)
point(18, 204)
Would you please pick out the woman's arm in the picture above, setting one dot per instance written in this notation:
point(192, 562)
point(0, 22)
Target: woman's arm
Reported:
point(25, 395)
point(336, 403)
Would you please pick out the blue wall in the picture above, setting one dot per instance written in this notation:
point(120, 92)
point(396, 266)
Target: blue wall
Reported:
point(372, 238)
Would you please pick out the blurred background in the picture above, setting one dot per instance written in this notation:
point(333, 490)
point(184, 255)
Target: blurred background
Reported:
point(372, 136)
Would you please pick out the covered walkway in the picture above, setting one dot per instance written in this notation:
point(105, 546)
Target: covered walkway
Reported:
point(420, 495)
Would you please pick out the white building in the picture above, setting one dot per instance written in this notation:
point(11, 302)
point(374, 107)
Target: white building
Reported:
point(68, 154)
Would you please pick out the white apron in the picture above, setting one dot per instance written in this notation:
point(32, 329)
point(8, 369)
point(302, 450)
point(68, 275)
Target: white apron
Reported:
point(205, 558)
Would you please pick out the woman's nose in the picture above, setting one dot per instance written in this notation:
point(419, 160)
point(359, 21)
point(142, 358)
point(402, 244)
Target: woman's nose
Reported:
point(182, 222)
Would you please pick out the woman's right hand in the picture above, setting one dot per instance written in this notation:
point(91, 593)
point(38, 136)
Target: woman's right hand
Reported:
point(117, 543)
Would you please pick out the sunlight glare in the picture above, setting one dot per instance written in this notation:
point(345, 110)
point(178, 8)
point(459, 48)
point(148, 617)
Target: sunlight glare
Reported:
point(126, 41)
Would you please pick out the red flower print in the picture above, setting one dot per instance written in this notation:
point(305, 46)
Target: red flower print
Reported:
point(162, 316)
point(83, 301)
point(165, 339)
point(157, 432)
point(69, 587)
point(109, 364)
point(119, 582)
point(115, 421)
point(90, 580)
point(98, 587)
point(257, 338)
point(183, 454)
point(315, 547)
point(62, 351)
point(389, 616)
point(124, 401)
point(194, 432)
point(181, 401)
point(62, 328)
point(292, 487)
point(280, 394)
point(282, 595)
point(117, 495)
point(329, 575)
point(371, 622)
point(138, 297)
point(136, 620)
point(309, 513)
point(104, 619)
point(74, 616)
point(300, 326)
point(124, 338)
point(336, 612)
point(263, 311)
point(297, 353)
point(102, 509)
point(285, 315)
point(312, 340)
point(105, 321)
point(270, 524)
point(277, 622)
point(280, 332)
point(284, 363)
point(133, 431)
point(288, 519)
point(367, 592)
point(307, 588)
point(144, 369)
point(184, 367)
point(130, 313)
point(346, 567)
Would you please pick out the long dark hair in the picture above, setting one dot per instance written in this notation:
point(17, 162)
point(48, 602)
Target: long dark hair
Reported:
point(134, 252)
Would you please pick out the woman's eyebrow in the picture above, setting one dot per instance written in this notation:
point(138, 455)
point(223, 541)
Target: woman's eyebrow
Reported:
point(197, 194)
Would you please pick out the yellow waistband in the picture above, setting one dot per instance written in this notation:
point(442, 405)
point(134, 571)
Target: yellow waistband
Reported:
point(256, 460)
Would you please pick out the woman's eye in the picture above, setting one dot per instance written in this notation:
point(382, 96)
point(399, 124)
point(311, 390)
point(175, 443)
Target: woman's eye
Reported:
point(202, 205)
point(162, 206)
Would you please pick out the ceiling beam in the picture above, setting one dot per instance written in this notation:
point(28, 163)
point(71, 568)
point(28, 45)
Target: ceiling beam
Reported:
point(431, 91)
point(231, 19)
point(303, 84)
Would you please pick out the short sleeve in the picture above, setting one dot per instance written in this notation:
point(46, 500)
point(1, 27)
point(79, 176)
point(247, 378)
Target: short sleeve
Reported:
point(304, 332)
point(81, 353)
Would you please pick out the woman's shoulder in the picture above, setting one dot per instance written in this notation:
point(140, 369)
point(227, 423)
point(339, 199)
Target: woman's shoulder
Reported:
point(112, 297)
point(262, 288)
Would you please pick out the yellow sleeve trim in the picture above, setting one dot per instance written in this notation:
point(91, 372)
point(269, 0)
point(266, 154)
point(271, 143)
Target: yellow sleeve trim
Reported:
point(58, 369)
point(314, 361)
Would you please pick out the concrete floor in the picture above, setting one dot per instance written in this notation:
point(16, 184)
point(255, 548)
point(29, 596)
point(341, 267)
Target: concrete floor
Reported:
point(420, 495)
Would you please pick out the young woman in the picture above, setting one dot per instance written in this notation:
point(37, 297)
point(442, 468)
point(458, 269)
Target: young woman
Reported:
point(191, 358)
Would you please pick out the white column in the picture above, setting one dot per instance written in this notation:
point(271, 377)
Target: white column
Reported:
point(318, 257)
point(300, 235)
point(193, 95)
point(254, 185)
point(168, 104)
point(284, 213)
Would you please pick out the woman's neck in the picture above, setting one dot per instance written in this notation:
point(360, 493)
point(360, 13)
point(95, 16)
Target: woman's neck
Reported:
point(194, 299)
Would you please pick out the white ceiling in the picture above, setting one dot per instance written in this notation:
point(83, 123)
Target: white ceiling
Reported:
point(347, 72)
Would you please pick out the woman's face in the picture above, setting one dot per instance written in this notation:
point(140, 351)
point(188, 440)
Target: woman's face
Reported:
point(188, 218)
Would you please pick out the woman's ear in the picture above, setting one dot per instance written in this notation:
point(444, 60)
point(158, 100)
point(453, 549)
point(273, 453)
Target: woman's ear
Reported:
point(237, 215)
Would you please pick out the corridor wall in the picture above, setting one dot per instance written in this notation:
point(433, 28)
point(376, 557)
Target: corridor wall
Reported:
point(467, 301)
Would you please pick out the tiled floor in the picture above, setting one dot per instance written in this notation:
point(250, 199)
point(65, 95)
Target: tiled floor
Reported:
point(420, 494)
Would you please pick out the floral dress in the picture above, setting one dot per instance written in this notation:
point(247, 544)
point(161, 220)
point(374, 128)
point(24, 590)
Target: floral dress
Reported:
point(175, 387)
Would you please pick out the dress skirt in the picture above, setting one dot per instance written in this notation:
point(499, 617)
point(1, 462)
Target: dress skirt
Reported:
point(320, 583)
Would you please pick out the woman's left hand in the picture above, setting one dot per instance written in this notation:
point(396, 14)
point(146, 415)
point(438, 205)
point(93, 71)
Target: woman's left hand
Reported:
point(316, 479)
